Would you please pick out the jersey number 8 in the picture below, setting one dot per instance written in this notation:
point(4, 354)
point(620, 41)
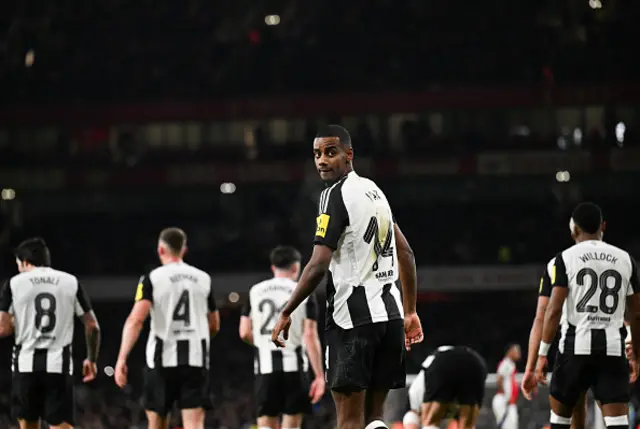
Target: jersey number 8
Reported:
point(605, 290)
point(45, 312)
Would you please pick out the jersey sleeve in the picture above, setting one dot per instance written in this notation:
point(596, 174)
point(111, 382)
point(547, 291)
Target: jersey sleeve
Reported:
point(504, 369)
point(83, 304)
point(246, 308)
point(312, 307)
point(212, 301)
point(545, 284)
point(6, 297)
point(145, 289)
point(332, 218)
point(559, 272)
point(634, 282)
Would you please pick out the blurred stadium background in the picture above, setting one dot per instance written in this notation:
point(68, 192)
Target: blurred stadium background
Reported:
point(120, 118)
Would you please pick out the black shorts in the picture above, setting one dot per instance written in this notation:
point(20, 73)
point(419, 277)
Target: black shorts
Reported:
point(39, 395)
point(366, 357)
point(606, 376)
point(187, 386)
point(455, 376)
point(282, 393)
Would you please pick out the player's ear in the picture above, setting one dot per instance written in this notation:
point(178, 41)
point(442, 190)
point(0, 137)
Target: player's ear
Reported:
point(349, 153)
point(273, 269)
point(185, 249)
point(603, 226)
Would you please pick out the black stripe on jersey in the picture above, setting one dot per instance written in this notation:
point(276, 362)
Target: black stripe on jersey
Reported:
point(276, 361)
point(183, 352)
point(256, 358)
point(40, 360)
point(635, 281)
point(331, 293)
point(205, 353)
point(598, 341)
point(300, 359)
point(16, 357)
point(336, 219)
point(570, 340)
point(559, 274)
point(212, 301)
point(359, 307)
point(157, 353)
point(83, 299)
point(390, 303)
point(66, 359)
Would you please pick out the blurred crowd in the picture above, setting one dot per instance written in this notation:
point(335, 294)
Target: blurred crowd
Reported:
point(196, 48)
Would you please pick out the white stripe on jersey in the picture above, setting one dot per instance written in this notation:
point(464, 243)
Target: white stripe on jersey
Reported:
point(182, 298)
point(599, 277)
point(266, 301)
point(43, 302)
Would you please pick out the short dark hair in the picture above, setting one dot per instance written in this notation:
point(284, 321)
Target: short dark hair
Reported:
point(33, 251)
point(335, 131)
point(284, 257)
point(174, 238)
point(588, 216)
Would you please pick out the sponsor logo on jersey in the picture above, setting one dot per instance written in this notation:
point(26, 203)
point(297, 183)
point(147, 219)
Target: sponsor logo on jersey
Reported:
point(322, 222)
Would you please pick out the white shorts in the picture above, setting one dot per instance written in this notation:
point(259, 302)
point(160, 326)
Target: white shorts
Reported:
point(506, 414)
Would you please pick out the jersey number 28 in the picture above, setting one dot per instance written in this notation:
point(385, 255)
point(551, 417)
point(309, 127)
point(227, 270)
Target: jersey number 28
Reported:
point(605, 290)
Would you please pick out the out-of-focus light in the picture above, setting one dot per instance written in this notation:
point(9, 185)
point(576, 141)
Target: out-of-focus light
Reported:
point(577, 136)
point(621, 128)
point(7, 194)
point(234, 297)
point(228, 188)
point(108, 371)
point(563, 176)
point(29, 58)
point(595, 4)
point(272, 19)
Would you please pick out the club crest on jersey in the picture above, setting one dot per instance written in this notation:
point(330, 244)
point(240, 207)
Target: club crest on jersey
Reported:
point(322, 222)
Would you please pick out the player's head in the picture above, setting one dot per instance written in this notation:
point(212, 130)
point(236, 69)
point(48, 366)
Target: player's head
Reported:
point(333, 152)
point(513, 352)
point(172, 244)
point(586, 222)
point(32, 253)
point(285, 261)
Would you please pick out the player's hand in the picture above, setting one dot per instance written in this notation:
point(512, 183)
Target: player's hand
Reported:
point(529, 384)
point(89, 371)
point(634, 369)
point(316, 391)
point(541, 370)
point(121, 373)
point(412, 330)
point(283, 325)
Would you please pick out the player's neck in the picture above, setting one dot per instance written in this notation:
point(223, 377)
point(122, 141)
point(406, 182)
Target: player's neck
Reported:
point(588, 237)
point(170, 260)
point(283, 275)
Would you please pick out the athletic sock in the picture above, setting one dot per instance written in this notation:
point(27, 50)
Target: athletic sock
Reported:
point(559, 422)
point(430, 427)
point(617, 422)
point(379, 424)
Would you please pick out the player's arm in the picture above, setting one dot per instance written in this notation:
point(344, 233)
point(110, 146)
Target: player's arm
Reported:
point(213, 317)
point(135, 321)
point(311, 338)
point(91, 327)
point(331, 222)
point(6, 320)
point(408, 275)
point(559, 292)
point(535, 335)
point(633, 305)
point(246, 324)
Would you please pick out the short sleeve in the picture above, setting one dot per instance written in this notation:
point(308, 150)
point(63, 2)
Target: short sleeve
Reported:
point(545, 284)
point(6, 297)
point(634, 282)
point(312, 307)
point(504, 369)
point(559, 272)
point(332, 217)
point(145, 289)
point(211, 301)
point(83, 305)
point(246, 308)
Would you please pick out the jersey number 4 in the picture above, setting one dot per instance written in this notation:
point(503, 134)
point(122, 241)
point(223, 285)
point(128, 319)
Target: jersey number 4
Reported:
point(45, 304)
point(270, 307)
point(380, 249)
point(182, 311)
point(605, 290)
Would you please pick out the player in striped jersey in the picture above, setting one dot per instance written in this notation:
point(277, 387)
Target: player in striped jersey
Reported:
point(529, 380)
point(39, 304)
point(180, 299)
point(360, 244)
point(592, 280)
point(281, 383)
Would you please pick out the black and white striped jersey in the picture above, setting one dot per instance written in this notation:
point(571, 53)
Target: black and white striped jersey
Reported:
point(355, 219)
point(599, 277)
point(43, 302)
point(181, 297)
point(266, 301)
